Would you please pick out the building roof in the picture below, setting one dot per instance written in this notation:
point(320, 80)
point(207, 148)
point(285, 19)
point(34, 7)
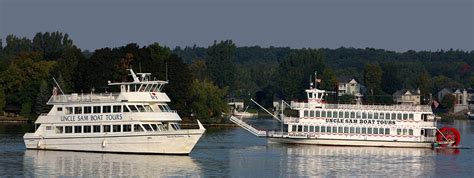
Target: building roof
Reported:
point(346, 79)
point(405, 91)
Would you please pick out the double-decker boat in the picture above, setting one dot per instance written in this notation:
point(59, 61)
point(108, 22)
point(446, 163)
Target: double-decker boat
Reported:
point(358, 125)
point(136, 120)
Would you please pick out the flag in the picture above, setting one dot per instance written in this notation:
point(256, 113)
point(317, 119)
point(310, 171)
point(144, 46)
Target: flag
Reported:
point(435, 104)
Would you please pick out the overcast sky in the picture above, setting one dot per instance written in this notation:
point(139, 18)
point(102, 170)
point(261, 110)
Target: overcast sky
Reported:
point(388, 24)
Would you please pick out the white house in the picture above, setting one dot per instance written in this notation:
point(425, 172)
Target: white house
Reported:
point(461, 95)
point(351, 86)
point(410, 97)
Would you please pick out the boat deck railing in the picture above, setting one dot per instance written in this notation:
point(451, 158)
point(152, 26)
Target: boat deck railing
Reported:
point(78, 98)
point(401, 107)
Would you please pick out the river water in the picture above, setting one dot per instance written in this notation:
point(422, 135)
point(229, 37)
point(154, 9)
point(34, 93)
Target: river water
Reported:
point(234, 152)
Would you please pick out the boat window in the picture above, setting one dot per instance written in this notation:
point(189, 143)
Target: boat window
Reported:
point(404, 131)
point(351, 130)
point(96, 109)
point(141, 108)
point(328, 128)
point(148, 108)
point(305, 128)
point(410, 116)
point(117, 128)
point(346, 129)
point(369, 115)
point(387, 131)
point(137, 128)
point(364, 130)
point(318, 114)
point(341, 114)
point(359, 115)
point(339, 130)
point(381, 131)
point(78, 110)
point(323, 129)
point(358, 130)
point(106, 109)
point(117, 108)
point(133, 108)
point(369, 130)
point(376, 131)
point(293, 128)
point(154, 126)
point(148, 127)
point(346, 114)
point(364, 115)
point(87, 109)
point(60, 109)
point(59, 129)
point(87, 129)
point(305, 113)
point(399, 131)
point(382, 116)
point(311, 128)
point(68, 129)
point(405, 116)
point(68, 110)
point(399, 116)
point(300, 128)
point(376, 115)
point(49, 128)
point(410, 131)
point(387, 116)
point(394, 116)
point(334, 129)
point(329, 114)
point(106, 128)
point(334, 114)
point(77, 129)
point(316, 129)
point(125, 108)
point(96, 128)
point(323, 113)
point(127, 128)
point(352, 114)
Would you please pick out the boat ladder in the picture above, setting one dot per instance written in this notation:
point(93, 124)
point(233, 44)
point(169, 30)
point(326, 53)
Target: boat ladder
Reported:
point(256, 132)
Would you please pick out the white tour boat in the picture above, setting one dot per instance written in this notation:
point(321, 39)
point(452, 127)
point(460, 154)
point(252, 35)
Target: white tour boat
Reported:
point(358, 125)
point(136, 120)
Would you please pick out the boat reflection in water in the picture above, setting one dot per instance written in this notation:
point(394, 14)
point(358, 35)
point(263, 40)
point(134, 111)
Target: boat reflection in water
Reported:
point(55, 163)
point(310, 160)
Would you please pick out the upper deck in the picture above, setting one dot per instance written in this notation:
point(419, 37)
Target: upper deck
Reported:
point(141, 89)
point(411, 108)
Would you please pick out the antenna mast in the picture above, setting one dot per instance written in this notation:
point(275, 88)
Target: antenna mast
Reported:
point(58, 86)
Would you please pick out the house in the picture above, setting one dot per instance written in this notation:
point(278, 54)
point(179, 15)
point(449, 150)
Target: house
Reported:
point(405, 96)
point(236, 104)
point(350, 86)
point(461, 97)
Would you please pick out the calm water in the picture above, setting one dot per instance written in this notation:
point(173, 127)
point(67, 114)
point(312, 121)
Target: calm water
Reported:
point(234, 152)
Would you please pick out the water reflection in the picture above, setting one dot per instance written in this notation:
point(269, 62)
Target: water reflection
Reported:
point(310, 160)
point(54, 163)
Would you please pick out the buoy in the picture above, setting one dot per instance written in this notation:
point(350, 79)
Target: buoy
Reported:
point(448, 136)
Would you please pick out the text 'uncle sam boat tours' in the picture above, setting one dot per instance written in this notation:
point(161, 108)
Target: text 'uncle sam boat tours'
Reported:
point(136, 120)
point(358, 125)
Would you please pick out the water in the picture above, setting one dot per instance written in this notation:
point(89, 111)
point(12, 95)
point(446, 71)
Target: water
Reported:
point(234, 152)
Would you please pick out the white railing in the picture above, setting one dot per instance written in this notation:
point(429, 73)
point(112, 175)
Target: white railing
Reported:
point(75, 98)
point(287, 120)
point(256, 132)
point(402, 107)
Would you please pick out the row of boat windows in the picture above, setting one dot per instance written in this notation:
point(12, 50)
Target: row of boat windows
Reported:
point(358, 115)
point(351, 130)
point(111, 109)
point(113, 128)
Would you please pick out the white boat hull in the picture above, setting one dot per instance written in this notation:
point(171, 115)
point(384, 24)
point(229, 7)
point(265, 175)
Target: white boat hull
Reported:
point(180, 142)
point(341, 142)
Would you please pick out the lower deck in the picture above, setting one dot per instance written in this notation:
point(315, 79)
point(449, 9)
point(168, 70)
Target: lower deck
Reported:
point(348, 142)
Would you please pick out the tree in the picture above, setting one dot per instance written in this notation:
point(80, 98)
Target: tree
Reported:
point(208, 101)
point(42, 98)
point(424, 84)
point(373, 78)
point(219, 62)
point(2, 99)
point(347, 99)
point(448, 102)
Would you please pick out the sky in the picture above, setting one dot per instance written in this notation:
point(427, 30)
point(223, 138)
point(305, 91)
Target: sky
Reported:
point(398, 25)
